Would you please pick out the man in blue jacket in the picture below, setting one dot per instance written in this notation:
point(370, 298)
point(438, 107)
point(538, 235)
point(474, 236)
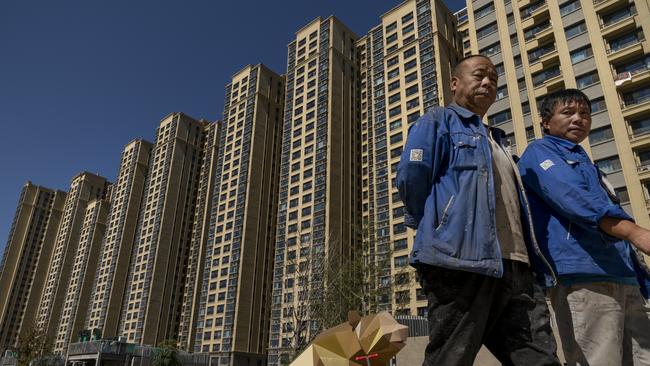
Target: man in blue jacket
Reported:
point(463, 194)
point(601, 314)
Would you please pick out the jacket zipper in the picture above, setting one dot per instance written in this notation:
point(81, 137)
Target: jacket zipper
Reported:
point(568, 233)
point(444, 212)
point(529, 217)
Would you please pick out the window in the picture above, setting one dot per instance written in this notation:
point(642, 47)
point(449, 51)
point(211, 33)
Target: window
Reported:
point(598, 105)
point(392, 61)
point(622, 194)
point(395, 124)
point(530, 133)
point(499, 118)
point(490, 50)
point(407, 17)
point(575, 29)
point(392, 38)
point(569, 7)
point(487, 30)
point(502, 92)
point(581, 54)
point(409, 65)
point(391, 27)
point(394, 85)
point(412, 90)
point(640, 127)
point(409, 28)
point(401, 261)
point(393, 73)
point(609, 165)
point(413, 103)
point(601, 134)
point(585, 80)
point(410, 52)
point(395, 111)
point(410, 77)
point(394, 98)
point(481, 12)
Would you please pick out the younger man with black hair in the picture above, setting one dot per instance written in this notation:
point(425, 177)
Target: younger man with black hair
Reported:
point(583, 231)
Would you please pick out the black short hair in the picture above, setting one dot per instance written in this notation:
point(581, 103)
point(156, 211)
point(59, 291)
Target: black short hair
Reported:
point(561, 97)
point(456, 69)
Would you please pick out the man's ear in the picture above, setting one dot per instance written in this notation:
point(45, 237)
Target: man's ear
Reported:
point(544, 125)
point(453, 84)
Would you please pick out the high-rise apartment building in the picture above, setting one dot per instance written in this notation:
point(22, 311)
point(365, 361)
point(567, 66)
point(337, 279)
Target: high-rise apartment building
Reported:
point(200, 233)
point(127, 193)
point(153, 297)
point(406, 64)
point(26, 256)
point(596, 46)
point(80, 284)
point(231, 318)
point(84, 188)
point(319, 213)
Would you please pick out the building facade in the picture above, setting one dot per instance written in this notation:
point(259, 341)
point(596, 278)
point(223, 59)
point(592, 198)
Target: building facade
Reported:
point(105, 305)
point(232, 320)
point(153, 296)
point(26, 256)
point(319, 197)
point(85, 187)
point(80, 285)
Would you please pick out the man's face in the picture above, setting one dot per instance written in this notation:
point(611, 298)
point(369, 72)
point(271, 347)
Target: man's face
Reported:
point(475, 85)
point(570, 121)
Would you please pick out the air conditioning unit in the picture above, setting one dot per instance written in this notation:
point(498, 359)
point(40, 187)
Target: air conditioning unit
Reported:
point(121, 339)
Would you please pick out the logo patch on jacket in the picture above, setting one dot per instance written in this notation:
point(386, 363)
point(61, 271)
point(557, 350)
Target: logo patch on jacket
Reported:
point(416, 155)
point(546, 164)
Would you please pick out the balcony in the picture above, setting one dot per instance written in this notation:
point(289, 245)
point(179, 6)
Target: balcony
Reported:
point(632, 72)
point(532, 13)
point(639, 132)
point(540, 57)
point(608, 5)
point(626, 46)
point(635, 102)
point(612, 21)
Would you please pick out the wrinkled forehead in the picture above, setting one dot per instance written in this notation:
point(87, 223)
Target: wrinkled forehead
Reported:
point(576, 103)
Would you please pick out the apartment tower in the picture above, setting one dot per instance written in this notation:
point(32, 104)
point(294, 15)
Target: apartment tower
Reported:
point(232, 320)
point(200, 233)
point(26, 256)
point(319, 213)
point(85, 187)
point(153, 297)
point(406, 64)
point(596, 46)
point(105, 305)
point(80, 284)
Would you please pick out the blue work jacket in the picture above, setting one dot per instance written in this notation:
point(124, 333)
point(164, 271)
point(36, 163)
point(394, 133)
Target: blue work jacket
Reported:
point(445, 180)
point(567, 202)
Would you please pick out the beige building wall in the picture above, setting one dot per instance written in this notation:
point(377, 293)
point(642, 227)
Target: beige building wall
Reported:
point(85, 187)
point(233, 307)
point(406, 66)
point(597, 46)
point(319, 199)
point(30, 243)
point(80, 285)
point(200, 238)
point(110, 279)
point(153, 298)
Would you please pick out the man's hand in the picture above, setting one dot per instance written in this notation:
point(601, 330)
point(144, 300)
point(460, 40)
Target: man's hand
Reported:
point(640, 238)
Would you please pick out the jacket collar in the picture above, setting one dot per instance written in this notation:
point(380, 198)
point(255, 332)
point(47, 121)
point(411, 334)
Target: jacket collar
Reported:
point(464, 113)
point(563, 143)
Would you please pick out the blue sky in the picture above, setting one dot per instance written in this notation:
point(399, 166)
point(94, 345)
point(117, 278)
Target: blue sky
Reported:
point(80, 79)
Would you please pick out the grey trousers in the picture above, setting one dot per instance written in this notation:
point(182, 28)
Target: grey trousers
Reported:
point(602, 323)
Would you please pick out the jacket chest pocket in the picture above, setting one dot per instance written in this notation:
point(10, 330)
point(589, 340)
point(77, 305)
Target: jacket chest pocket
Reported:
point(468, 154)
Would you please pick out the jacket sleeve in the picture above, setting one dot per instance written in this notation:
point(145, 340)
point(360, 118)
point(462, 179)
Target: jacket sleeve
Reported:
point(419, 163)
point(546, 174)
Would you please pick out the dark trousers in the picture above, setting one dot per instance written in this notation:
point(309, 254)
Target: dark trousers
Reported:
point(508, 315)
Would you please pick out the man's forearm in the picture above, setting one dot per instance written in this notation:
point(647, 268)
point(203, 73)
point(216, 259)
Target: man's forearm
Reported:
point(627, 230)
